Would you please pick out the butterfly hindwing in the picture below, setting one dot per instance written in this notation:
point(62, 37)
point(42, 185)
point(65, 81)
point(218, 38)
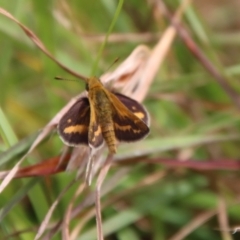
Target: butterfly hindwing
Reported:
point(95, 137)
point(73, 126)
point(128, 119)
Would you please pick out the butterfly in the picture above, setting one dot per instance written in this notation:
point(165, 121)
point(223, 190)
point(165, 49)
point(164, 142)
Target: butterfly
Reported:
point(103, 116)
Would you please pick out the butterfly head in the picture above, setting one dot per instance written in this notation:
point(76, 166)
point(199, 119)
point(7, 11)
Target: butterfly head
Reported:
point(93, 82)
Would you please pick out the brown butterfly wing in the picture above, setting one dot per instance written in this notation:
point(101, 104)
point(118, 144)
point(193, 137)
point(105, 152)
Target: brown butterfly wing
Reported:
point(95, 137)
point(127, 114)
point(73, 126)
point(135, 107)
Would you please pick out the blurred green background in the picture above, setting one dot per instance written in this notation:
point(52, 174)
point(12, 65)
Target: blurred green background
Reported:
point(186, 104)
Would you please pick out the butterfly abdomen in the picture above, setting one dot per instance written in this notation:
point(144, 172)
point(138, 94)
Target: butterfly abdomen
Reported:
point(109, 137)
point(104, 116)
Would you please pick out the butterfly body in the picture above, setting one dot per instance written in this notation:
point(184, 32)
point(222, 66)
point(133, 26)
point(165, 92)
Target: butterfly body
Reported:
point(103, 116)
point(99, 99)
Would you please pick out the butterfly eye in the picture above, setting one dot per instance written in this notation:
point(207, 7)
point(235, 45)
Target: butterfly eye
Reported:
point(87, 87)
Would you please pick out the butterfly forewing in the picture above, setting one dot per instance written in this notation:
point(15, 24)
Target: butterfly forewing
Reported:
point(127, 119)
point(135, 107)
point(73, 126)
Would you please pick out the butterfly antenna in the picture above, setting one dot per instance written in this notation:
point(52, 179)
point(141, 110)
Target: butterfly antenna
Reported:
point(65, 79)
point(115, 61)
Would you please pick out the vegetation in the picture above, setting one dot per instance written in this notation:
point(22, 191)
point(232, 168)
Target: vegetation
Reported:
point(181, 182)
